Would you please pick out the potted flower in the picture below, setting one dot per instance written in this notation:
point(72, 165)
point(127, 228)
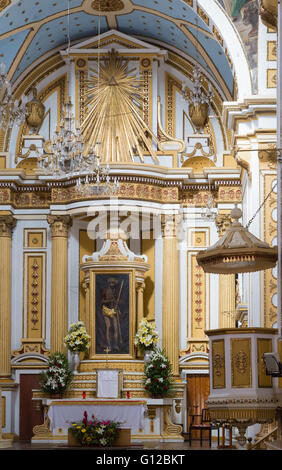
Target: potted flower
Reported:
point(77, 340)
point(146, 338)
point(158, 379)
point(94, 432)
point(57, 379)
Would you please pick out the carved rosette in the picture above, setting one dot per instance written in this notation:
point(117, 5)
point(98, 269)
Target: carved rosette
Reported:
point(107, 5)
point(4, 4)
point(60, 225)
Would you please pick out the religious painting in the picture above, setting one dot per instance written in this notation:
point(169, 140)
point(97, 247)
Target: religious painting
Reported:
point(245, 16)
point(112, 313)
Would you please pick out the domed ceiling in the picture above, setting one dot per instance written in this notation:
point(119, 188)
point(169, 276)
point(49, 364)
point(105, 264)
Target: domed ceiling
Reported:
point(32, 29)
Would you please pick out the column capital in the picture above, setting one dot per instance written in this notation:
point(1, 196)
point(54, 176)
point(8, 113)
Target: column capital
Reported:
point(140, 286)
point(7, 223)
point(60, 225)
point(223, 222)
point(170, 224)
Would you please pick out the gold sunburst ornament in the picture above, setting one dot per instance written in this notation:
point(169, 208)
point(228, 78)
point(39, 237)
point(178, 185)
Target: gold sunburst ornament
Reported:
point(114, 113)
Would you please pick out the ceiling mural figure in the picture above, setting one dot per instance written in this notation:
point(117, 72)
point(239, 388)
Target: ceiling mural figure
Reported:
point(244, 14)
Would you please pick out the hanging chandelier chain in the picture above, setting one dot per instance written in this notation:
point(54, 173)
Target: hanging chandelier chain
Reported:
point(261, 205)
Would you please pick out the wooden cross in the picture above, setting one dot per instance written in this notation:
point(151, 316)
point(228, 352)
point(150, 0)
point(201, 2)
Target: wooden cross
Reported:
point(107, 350)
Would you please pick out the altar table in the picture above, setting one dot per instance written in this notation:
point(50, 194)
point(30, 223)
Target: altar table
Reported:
point(130, 413)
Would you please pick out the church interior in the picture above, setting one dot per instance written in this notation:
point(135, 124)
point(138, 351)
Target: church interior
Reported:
point(139, 222)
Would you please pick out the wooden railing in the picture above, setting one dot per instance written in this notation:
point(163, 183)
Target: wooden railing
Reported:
point(260, 443)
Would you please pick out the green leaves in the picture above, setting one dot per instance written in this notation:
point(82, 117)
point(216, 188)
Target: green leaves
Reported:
point(58, 377)
point(158, 375)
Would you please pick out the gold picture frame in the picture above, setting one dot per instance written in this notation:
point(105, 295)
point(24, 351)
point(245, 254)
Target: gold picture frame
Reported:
point(119, 273)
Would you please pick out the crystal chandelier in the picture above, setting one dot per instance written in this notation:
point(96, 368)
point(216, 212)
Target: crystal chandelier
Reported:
point(66, 147)
point(68, 161)
point(11, 111)
point(198, 96)
point(198, 100)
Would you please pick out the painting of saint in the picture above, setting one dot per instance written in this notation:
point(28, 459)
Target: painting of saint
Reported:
point(112, 313)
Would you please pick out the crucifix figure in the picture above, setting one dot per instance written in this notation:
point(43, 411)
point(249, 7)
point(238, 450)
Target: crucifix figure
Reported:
point(111, 314)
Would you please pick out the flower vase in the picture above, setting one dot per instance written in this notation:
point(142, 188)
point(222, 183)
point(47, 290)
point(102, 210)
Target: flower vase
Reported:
point(147, 356)
point(76, 362)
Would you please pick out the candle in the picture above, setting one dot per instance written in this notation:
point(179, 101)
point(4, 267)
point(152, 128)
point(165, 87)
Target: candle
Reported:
point(127, 394)
point(84, 395)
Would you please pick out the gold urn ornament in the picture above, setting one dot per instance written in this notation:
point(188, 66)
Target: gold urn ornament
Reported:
point(199, 100)
point(35, 113)
point(268, 11)
point(199, 114)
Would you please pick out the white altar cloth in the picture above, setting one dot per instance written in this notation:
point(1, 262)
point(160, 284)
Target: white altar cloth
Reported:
point(129, 413)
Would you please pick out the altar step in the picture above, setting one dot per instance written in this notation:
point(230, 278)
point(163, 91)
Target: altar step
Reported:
point(84, 382)
point(132, 384)
point(130, 365)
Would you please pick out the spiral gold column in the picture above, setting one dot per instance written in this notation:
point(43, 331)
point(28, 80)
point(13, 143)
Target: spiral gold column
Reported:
point(170, 296)
point(7, 223)
point(59, 288)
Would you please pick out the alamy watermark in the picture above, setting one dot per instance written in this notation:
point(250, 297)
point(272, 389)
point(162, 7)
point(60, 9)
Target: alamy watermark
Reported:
point(135, 222)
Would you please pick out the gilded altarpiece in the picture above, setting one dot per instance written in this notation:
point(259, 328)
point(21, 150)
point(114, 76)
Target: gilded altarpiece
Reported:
point(113, 277)
point(34, 292)
point(270, 234)
point(172, 85)
point(82, 66)
point(197, 296)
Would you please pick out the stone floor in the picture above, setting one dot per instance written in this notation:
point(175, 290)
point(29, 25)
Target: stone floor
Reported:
point(146, 445)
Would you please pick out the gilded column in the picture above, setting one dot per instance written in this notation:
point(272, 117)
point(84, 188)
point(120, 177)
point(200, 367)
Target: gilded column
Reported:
point(7, 223)
point(170, 295)
point(59, 289)
point(227, 285)
point(140, 301)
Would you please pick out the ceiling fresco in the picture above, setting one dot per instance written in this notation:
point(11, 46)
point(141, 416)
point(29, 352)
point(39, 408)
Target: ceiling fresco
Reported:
point(30, 29)
point(244, 14)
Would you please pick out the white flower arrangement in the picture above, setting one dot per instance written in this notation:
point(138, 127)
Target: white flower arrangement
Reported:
point(57, 378)
point(77, 338)
point(158, 378)
point(146, 337)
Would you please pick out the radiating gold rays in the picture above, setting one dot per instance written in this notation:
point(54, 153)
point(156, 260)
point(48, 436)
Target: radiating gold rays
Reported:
point(114, 114)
